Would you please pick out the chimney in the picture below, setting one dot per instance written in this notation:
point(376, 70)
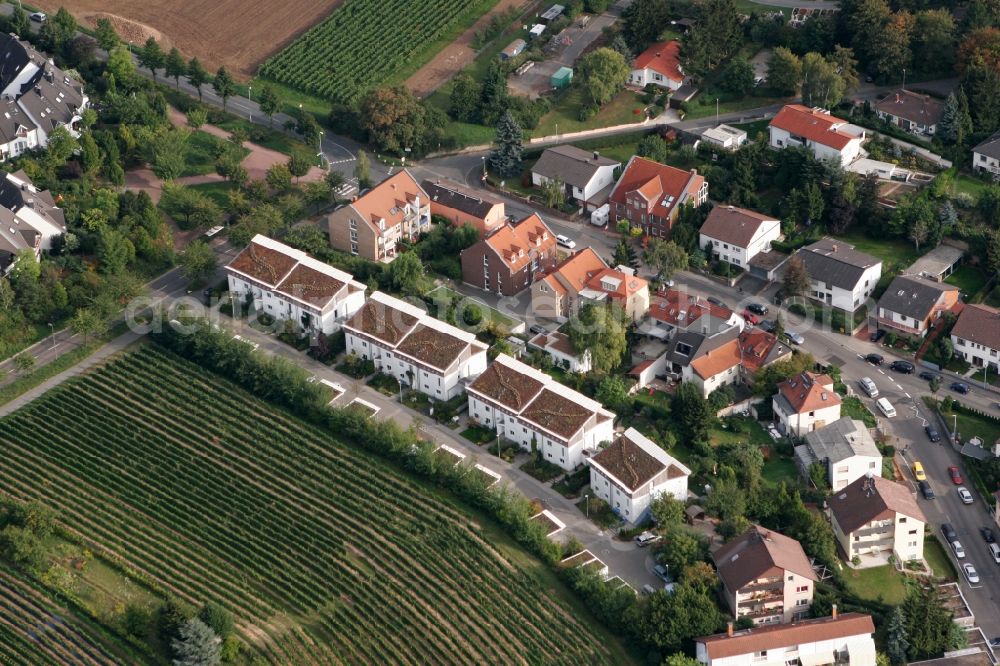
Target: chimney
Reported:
point(833, 611)
point(729, 625)
point(597, 155)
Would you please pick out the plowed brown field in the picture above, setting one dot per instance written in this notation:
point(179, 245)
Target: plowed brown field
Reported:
point(239, 34)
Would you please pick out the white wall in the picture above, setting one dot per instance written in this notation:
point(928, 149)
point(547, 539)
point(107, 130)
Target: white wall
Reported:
point(846, 472)
point(859, 644)
point(782, 139)
point(975, 353)
point(706, 386)
point(800, 424)
point(982, 162)
point(633, 506)
point(286, 309)
point(761, 242)
point(643, 77)
point(844, 299)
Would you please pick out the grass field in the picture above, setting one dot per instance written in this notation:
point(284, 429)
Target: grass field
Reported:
point(969, 279)
point(564, 118)
point(443, 295)
point(877, 583)
point(217, 192)
point(893, 252)
point(322, 553)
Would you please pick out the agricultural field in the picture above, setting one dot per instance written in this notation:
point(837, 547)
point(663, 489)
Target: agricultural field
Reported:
point(234, 33)
point(366, 43)
point(322, 553)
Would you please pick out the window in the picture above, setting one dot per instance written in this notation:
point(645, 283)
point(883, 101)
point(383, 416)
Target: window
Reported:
point(913, 531)
point(792, 577)
point(802, 588)
point(802, 602)
point(354, 248)
point(902, 519)
point(354, 224)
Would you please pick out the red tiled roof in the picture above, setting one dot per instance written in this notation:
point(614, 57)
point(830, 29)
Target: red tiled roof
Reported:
point(516, 244)
point(656, 183)
point(382, 321)
point(310, 285)
point(663, 58)
point(507, 386)
point(772, 637)
point(812, 124)
point(388, 199)
point(264, 264)
point(808, 392)
point(557, 413)
point(668, 305)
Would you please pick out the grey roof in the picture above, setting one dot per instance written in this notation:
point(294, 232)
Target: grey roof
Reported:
point(458, 197)
point(840, 440)
point(14, 197)
point(571, 165)
point(990, 147)
point(14, 55)
point(46, 99)
point(698, 344)
point(936, 261)
point(835, 262)
point(913, 296)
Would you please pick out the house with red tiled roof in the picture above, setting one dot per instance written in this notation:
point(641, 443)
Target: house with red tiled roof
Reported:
point(736, 360)
point(846, 638)
point(873, 518)
point(289, 285)
point(508, 260)
point(737, 235)
point(372, 225)
point(827, 136)
point(650, 195)
point(805, 403)
point(632, 472)
point(673, 310)
point(531, 409)
point(660, 65)
point(976, 335)
point(421, 352)
point(585, 277)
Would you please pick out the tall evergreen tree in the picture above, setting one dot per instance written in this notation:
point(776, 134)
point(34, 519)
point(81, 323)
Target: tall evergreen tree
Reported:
point(949, 127)
point(896, 642)
point(505, 160)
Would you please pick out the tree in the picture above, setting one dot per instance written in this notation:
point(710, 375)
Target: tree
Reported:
point(105, 34)
point(61, 145)
point(115, 251)
point(463, 104)
point(174, 65)
point(896, 642)
point(151, 56)
point(601, 74)
point(714, 39)
point(24, 363)
point(993, 251)
point(217, 619)
point(846, 65)
point(621, 46)
point(822, 85)
point(362, 170)
point(796, 281)
point(224, 86)
point(667, 257)
point(196, 118)
point(681, 547)
point(197, 75)
point(317, 194)
point(949, 127)
point(168, 153)
point(87, 322)
point(891, 47)
point(692, 410)
point(655, 148)
point(493, 95)
point(19, 22)
point(928, 623)
point(505, 160)
point(120, 67)
point(865, 20)
point(667, 510)
point(298, 166)
point(198, 262)
point(738, 77)
point(642, 23)
point(279, 177)
point(196, 645)
point(57, 32)
point(395, 120)
point(840, 213)
point(269, 102)
point(934, 40)
point(622, 255)
point(680, 659)
point(601, 330)
point(613, 392)
point(779, 326)
point(553, 192)
point(672, 619)
point(406, 274)
point(784, 71)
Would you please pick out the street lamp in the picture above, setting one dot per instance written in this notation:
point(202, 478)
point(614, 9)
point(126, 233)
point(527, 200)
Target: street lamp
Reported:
point(52, 334)
point(483, 158)
point(716, 110)
point(319, 146)
point(250, 98)
point(586, 498)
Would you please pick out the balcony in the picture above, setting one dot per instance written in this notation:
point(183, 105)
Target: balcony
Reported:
point(761, 598)
point(764, 585)
point(760, 612)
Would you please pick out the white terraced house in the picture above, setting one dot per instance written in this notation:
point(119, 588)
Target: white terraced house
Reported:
point(528, 407)
point(289, 285)
point(422, 352)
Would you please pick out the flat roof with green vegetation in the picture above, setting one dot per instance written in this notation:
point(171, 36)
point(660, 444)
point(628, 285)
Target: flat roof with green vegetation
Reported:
point(322, 553)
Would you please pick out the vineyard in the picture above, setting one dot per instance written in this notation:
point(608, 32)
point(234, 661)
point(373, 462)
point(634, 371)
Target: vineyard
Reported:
point(324, 555)
point(364, 42)
point(34, 631)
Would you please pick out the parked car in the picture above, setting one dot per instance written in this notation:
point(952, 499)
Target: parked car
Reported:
point(877, 335)
point(773, 432)
point(766, 325)
point(956, 546)
point(966, 496)
point(648, 589)
point(38, 17)
point(970, 573)
point(563, 241)
point(757, 308)
point(932, 434)
point(904, 367)
point(868, 386)
point(874, 359)
point(537, 329)
point(927, 374)
point(794, 338)
point(663, 572)
point(948, 531)
point(959, 387)
point(918, 471)
point(750, 317)
point(715, 301)
point(994, 552)
point(987, 534)
point(646, 538)
point(926, 490)
point(956, 476)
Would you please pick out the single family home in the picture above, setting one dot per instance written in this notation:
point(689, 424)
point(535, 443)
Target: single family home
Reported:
point(736, 360)
point(873, 518)
point(737, 235)
point(976, 336)
point(986, 156)
point(650, 195)
point(804, 403)
point(558, 347)
point(826, 135)
point(659, 65)
point(845, 449)
point(508, 260)
point(840, 276)
point(584, 277)
point(585, 175)
point(910, 111)
point(461, 205)
point(911, 304)
point(29, 219)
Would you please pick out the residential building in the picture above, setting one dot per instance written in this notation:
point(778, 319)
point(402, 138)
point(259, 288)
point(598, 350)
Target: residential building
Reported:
point(827, 136)
point(560, 349)
point(910, 111)
point(29, 219)
point(766, 577)
point(873, 518)
point(659, 65)
point(911, 304)
point(804, 403)
point(422, 352)
point(529, 408)
point(507, 261)
point(986, 156)
point(725, 137)
point(737, 235)
point(840, 276)
point(584, 277)
point(289, 285)
point(37, 97)
point(976, 336)
point(632, 472)
point(840, 639)
point(372, 225)
point(846, 450)
point(736, 360)
point(672, 311)
point(586, 176)
point(461, 206)
point(650, 195)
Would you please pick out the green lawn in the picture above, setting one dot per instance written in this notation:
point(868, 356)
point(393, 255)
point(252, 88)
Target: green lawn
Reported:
point(965, 184)
point(778, 469)
point(446, 294)
point(937, 559)
point(754, 128)
point(201, 154)
point(564, 116)
point(739, 429)
point(217, 192)
point(748, 7)
point(896, 252)
point(478, 434)
point(853, 406)
point(969, 279)
point(877, 583)
point(703, 105)
point(972, 425)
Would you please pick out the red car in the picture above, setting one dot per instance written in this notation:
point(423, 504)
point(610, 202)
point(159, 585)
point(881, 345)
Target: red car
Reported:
point(750, 317)
point(956, 477)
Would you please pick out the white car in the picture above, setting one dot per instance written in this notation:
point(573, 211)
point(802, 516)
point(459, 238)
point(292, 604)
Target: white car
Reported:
point(38, 17)
point(966, 496)
point(970, 573)
point(773, 432)
point(646, 538)
point(959, 551)
point(563, 241)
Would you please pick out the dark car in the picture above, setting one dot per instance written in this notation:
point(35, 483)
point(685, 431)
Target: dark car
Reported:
point(928, 375)
point(987, 534)
point(757, 309)
point(902, 366)
point(948, 531)
point(715, 301)
point(932, 434)
point(959, 387)
point(877, 335)
point(926, 490)
point(537, 329)
point(874, 359)
point(766, 325)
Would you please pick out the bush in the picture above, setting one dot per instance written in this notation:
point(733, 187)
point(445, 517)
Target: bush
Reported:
point(587, 112)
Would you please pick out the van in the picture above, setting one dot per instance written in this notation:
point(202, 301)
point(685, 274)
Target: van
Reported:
point(995, 552)
point(868, 386)
point(886, 407)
